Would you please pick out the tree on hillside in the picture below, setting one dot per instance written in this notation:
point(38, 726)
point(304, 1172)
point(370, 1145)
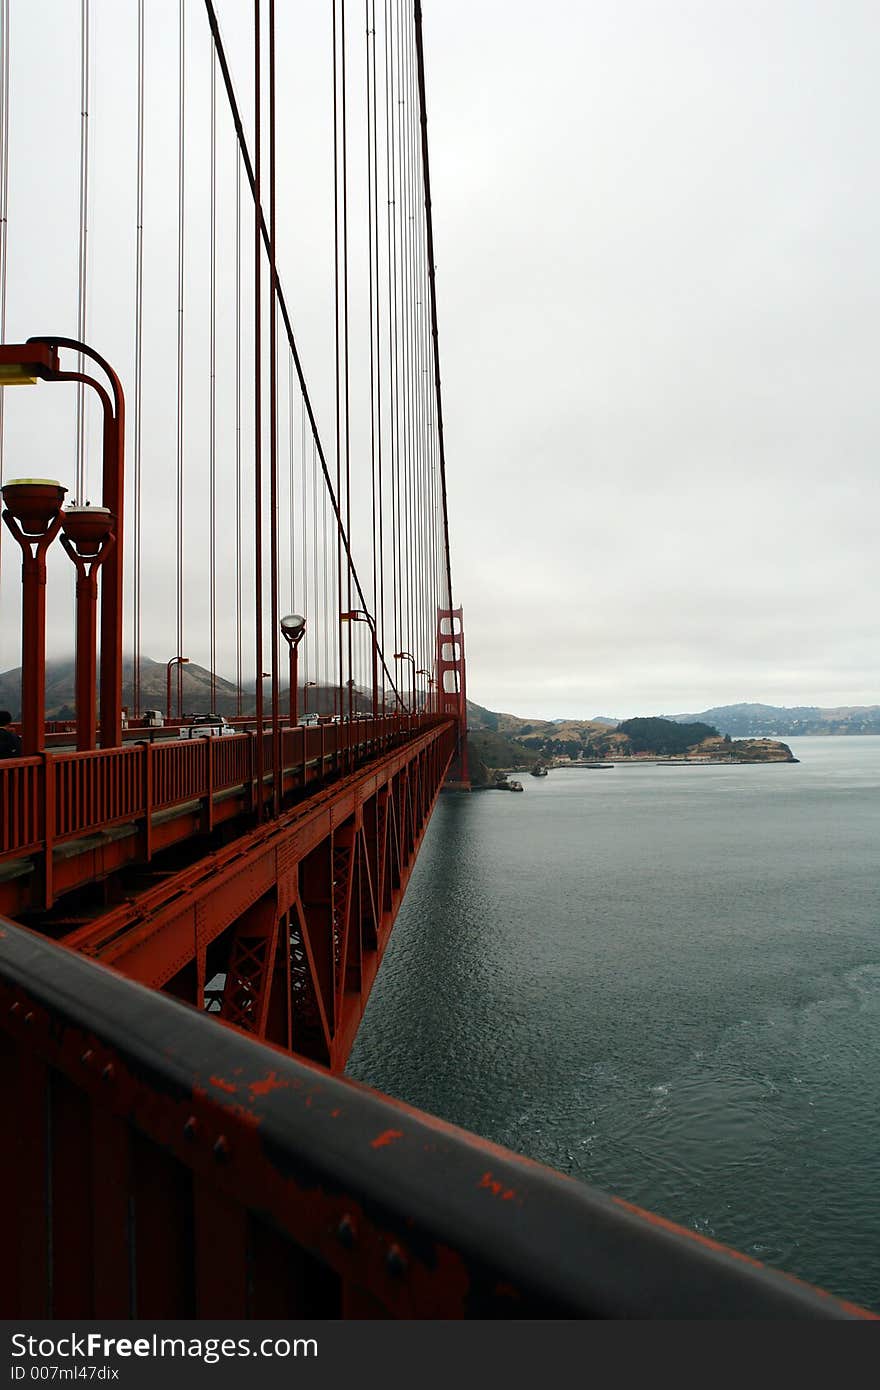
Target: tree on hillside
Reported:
point(664, 735)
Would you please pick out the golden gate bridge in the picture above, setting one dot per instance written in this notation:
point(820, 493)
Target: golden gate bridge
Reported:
point(190, 926)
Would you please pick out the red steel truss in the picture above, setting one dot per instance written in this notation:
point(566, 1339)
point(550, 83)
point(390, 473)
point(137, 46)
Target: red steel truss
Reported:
point(281, 932)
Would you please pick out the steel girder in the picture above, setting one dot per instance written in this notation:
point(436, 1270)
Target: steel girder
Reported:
point(281, 933)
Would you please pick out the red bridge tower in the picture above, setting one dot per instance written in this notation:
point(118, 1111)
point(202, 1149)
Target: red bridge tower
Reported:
point(452, 690)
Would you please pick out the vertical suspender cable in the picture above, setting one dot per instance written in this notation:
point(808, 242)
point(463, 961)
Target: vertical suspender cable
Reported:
point(309, 607)
point(345, 349)
point(392, 326)
point(371, 239)
point(412, 373)
point(137, 403)
point(273, 429)
point(212, 400)
point(291, 489)
point(4, 198)
point(258, 409)
point(82, 286)
point(336, 349)
point(331, 496)
point(181, 236)
point(379, 540)
point(429, 229)
point(238, 564)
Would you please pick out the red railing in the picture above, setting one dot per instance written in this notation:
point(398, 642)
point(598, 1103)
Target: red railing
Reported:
point(58, 796)
point(97, 789)
point(180, 771)
point(231, 762)
point(21, 803)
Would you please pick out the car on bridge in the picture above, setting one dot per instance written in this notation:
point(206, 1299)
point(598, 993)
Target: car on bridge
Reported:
point(206, 726)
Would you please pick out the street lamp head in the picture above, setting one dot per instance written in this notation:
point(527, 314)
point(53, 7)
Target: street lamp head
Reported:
point(292, 627)
point(87, 528)
point(21, 364)
point(33, 502)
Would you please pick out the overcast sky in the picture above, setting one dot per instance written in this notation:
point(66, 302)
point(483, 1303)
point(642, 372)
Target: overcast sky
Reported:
point(656, 229)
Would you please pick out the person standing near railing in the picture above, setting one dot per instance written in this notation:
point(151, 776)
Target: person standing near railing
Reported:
point(10, 743)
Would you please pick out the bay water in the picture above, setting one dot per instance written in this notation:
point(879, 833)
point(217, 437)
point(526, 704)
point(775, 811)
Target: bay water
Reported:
point(664, 981)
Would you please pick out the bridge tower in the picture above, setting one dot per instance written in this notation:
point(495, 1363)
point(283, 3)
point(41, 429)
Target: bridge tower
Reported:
point(452, 690)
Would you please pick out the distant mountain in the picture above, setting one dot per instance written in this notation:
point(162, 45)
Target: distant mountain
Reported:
point(506, 741)
point(774, 721)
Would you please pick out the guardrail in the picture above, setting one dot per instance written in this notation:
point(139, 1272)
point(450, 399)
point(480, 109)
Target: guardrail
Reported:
point(57, 796)
point(159, 1166)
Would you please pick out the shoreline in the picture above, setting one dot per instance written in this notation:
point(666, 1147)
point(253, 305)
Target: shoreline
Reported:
point(660, 762)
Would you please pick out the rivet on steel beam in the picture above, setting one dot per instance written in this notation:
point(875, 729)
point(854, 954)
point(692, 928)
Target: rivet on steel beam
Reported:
point(191, 1128)
point(29, 1016)
point(108, 1073)
point(14, 1008)
point(221, 1148)
point(346, 1232)
point(395, 1261)
point(87, 1057)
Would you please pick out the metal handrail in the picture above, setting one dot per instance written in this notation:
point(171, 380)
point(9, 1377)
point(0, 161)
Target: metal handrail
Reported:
point(134, 1104)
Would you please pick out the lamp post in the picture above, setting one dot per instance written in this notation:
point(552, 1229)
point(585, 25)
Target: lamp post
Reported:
point(87, 536)
point(408, 656)
point(293, 630)
point(357, 615)
point(32, 512)
point(37, 359)
point(175, 661)
point(306, 688)
point(423, 672)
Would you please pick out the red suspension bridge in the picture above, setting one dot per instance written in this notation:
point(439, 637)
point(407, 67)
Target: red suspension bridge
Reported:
point(154, 886)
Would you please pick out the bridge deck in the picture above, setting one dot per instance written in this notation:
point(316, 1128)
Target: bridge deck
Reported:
point(68, 819)
point(276, 923)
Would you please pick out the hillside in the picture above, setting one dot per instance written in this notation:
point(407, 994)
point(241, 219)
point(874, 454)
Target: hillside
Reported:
point(60, 688)
point(774, 721)
point(537, 735)
point(507, 741)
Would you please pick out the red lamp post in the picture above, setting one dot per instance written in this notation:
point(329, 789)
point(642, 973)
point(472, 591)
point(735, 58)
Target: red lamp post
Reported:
point(357, 615)
point(293, 630)
point(175, 661)
point(423, 672)
point(87, 536)
point(408, 656)
point(38, 359)
point(33, 514)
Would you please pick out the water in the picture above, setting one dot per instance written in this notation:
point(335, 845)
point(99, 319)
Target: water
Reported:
point(665, 981)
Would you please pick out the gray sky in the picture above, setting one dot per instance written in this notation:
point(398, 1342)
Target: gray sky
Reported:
point(656, 229)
